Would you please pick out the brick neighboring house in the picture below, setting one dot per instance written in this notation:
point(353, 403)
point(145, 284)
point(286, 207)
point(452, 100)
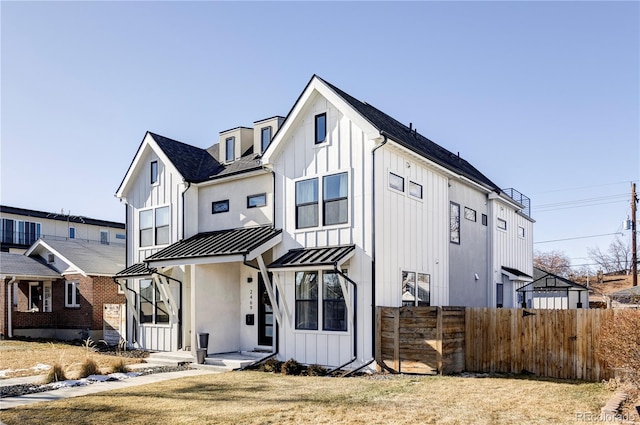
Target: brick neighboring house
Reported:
point(60, 289)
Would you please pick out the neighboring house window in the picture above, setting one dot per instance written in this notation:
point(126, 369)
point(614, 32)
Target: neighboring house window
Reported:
point(335, 199)
point(469, 214)
point(255, 201)
point(321, 128)
point(121, 236)
point(152, 309)
point(154, 226)
point(50, 258)
point(454, 223)
point(154, 172)
point(104, 237)
point(19, 232)
point(230, 147)
point(72, 232)
point(396, 182)
point(521, 231)
point(484, 219)
point(499, 295)
point(307, 300)
point(416, 293)
point(34, 296)
point(220, 207)
point(415, 189)
point(46, 297)
point(72, 294)
point(306, 203)
point(265, 137)
point(334, 308)
point(162, 226)
point(6, 230)
point(502, 224)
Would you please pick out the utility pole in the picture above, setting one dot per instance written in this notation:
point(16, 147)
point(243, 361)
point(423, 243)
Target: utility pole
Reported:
point(634, 251)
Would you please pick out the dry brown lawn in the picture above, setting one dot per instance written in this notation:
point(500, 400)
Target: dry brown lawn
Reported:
point(264, 398)
point(24, 358)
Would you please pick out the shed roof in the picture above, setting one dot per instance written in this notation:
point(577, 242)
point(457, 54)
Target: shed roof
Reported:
point(317, 257)
point(136, 270)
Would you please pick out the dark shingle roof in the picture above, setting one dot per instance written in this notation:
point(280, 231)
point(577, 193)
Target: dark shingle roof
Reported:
point(414, 141)
point(301, 257)
point(23, 266)
point(138, 269)
point(198, 165)
point(222, 242)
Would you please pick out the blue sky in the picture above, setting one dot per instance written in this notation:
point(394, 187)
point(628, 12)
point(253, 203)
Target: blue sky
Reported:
point(540, 96)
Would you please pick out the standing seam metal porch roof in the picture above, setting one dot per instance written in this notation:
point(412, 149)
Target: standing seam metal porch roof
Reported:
point(222, 242)
point(136, 270)
point(303, 257)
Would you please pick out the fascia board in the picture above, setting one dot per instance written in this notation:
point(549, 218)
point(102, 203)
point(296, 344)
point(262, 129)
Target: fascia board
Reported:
point(197, 261)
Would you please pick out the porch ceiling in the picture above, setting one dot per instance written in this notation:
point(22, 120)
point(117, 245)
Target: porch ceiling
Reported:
point(223, 244)
point(326, 257)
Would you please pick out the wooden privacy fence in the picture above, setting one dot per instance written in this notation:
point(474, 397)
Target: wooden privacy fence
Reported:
point(551, 343)
point(422, 340)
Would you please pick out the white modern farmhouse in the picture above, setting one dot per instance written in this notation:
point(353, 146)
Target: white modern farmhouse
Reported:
point(284, 237)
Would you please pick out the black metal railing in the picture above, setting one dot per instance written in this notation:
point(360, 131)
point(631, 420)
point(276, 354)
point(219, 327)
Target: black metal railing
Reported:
point(521, 199)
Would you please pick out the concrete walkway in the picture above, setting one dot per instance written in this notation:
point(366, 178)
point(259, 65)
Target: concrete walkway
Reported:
point(96, 387)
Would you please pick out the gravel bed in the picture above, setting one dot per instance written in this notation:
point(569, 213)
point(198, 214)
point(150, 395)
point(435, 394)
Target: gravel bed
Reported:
point(23, 389)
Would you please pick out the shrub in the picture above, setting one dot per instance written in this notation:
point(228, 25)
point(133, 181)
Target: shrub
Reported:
point(55, 374)
point(272, 365)
point(119, 367)
point(619, 343)
point(88, 367)
point(316, 370)
point(291, 367)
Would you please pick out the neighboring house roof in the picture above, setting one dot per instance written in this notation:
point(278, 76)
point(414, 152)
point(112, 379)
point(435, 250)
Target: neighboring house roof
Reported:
point(545, 281)
point(303, 257)
point(59, 216)
point(85, 257)
point(631, 294)
point(218, 243)
point(21, 266)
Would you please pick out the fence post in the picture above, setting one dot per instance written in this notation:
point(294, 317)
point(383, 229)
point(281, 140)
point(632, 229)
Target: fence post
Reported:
point(439, 339)
point(396, 340)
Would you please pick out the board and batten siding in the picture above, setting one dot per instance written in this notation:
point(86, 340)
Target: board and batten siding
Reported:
point(411, 234)
point(347, 149)
point(510, 249)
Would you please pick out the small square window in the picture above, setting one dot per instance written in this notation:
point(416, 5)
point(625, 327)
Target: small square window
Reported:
point(50, 258)
point(502, 224)
point(415, 189)
point(220, 207)
point(484, 219)
point(521, 231)
point(321, 128)
point(396, 182)
point(154, 172)
point(469, 214)
point(254, 201)
point(230, 147)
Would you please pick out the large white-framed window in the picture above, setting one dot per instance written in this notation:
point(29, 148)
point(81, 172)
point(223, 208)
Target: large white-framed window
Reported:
point(416, 289)
point(334, 191)
point(152, 309)
point(72, 294)
point(154, 226)
point(46, 297)
point(320, 302)
point(454, 223)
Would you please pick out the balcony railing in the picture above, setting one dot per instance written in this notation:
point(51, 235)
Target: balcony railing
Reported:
point(27, 239)
point(521, 199)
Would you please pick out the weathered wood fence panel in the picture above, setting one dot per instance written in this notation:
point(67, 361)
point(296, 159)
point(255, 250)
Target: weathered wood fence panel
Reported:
point(551, 343)
point(423, 340)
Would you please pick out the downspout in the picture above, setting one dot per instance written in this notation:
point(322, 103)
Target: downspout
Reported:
point(179, 307)
point(10, 296)
point(355, 316)
point(373, 242)
point(182, 236)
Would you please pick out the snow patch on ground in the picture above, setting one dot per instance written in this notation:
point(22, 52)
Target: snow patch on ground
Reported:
point(41, 367)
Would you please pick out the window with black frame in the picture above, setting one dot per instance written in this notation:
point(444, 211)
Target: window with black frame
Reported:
point(335, 199)
point(306, 203)
point(307, 300)
point(334, 308)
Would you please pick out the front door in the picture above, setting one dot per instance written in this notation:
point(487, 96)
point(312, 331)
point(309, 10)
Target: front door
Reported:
point(265, 315)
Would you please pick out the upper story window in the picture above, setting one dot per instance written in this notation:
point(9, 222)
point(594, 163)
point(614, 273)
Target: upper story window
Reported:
point(396, 182)
point(104, 237)
point(307, 203)
point(469, 214)
point(265, 137)
point(19, 231)
point(484, 219)
point(454, 223)
point(321, 128)
point(154, 226)
point(72, 232)
point(255, 201)
point(521, 231)
point(502, 224)
point(230, 149)
point(335, 199)
point(154, 172)
point(415, 189)
point(220, 207)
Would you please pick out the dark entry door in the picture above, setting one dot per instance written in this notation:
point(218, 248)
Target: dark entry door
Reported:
point(265, 315)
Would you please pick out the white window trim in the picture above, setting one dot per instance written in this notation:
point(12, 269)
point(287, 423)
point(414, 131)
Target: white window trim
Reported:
point(47, 308)
point(413, 197)
point(153, 226)
point(498, 220)
point(320, 300)
point(523, 234)
point(320, 178)
point(393, 189)
point(74, 284)
point(416, 272)
point(32, 285)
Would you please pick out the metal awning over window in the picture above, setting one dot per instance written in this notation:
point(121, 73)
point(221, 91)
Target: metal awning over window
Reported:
point(515, 274)
point(222, 246)
point(136, 270)
point(326, 258)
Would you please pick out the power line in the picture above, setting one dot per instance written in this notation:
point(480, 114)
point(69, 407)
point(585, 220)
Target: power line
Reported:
point(537, 211)
point(599, 198)
point(585, 187)
point(579, 237)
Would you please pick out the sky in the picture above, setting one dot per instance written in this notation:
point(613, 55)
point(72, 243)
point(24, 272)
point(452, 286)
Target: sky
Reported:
point(540, 96)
